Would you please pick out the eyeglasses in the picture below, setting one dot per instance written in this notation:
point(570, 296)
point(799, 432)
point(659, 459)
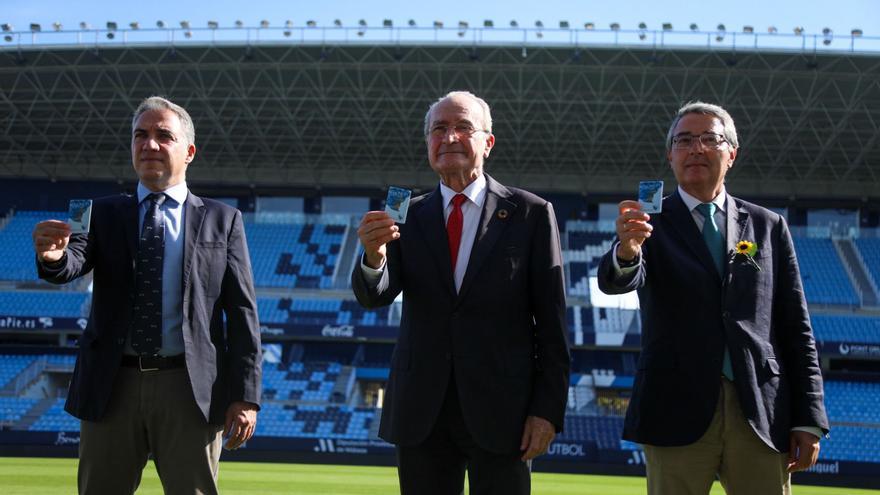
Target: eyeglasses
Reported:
point(460, 130)
point(709, 140)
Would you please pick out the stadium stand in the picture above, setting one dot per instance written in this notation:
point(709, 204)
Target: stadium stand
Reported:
point(318, 312)
point(850, 329)
point(301, 256)
point(306, 421)
point(55, 303)
point(869, 248)
point(825, 279)
point(55, 419)
point(17, 259)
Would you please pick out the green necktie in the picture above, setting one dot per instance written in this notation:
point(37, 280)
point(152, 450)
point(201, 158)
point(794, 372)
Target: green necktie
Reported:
point(715, 242)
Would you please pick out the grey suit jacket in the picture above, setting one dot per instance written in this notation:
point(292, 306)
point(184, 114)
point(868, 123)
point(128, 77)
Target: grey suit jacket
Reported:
point(503, 335)
point(223, 361)
point(689, 313)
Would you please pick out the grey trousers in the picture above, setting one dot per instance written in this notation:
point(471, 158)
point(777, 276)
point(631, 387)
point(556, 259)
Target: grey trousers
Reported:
point(150, 412)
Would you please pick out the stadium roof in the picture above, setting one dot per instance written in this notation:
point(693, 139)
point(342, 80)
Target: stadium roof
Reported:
point(566, 118)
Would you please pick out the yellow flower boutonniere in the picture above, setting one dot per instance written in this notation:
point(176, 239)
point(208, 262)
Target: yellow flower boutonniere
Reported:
point(748, 250)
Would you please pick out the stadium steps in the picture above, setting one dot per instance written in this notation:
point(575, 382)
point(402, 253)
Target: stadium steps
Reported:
point(374, 425)
point(857, 271)
point(345, 261)
point(34, 414)
point(343, 386)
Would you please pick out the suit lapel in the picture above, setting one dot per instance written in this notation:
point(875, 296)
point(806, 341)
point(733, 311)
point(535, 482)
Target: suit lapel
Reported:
point(496, 214)
point(128, 213)
point(429, 219)
point(194, 216)
point(737, 222)
point(683, 222)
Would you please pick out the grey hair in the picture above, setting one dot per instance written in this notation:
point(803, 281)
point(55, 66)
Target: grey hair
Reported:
point(705, 109)
point(487, 114)
point(160, 103)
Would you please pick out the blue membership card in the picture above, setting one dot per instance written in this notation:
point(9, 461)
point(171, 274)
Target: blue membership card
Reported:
point(651, 196)
point(397, 203)
point(79, 215)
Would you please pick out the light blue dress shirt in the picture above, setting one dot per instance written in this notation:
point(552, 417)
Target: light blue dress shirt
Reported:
point(172, 269)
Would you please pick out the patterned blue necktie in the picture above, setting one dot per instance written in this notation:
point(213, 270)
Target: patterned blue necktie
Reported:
point(146, 328)
point(715, 243)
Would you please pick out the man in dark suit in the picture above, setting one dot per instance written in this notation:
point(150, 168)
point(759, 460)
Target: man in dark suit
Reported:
point(159, 371)
point(479, 377)
point(728, 379)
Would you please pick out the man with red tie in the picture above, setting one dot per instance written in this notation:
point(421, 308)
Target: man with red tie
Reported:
point(479, 377)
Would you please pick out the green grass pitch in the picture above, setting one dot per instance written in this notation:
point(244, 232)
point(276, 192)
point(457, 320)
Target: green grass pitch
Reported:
point(34, 476)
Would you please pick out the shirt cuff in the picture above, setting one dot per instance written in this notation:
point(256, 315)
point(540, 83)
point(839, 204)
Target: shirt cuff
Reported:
point(809, 429)
point(372, 275)
point(623, 271)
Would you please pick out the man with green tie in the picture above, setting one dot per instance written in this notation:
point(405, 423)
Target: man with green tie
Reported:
point(728, 379)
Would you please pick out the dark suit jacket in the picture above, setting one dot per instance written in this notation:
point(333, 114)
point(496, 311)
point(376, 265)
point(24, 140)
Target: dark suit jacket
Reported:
point(503, 335)
point(223, 360)
point(689, 313)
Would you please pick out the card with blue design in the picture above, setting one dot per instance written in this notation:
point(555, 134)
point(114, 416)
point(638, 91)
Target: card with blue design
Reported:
point(397, 203)
point(79, 215)
point(651, 196)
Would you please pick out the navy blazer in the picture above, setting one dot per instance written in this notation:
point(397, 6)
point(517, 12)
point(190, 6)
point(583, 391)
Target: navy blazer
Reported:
point(503, 335)
point(223, 360)
point(689, 313)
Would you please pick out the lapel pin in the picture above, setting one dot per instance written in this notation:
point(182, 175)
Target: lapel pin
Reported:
point(502, 214)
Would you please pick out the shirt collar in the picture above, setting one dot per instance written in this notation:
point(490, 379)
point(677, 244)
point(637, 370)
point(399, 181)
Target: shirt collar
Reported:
point(692, 202)
point(177, 193)
point(475, 191)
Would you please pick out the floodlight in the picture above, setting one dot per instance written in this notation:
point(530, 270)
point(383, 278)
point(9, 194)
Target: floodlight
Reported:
point(539, 24)
point(589, 26)
point(514, 24)
point(6, 27)
point(615, 26)
point(187, 34)
point(8, 37)
point(563, 24)
point(213, 24)
point(35, 28)
point(239, 24)
point(748, 29)
point(337, 23)
point(462, 27)
point(310, 23)
point(798, 30)
point(667, 26)
point(362, 23)
point(184, 24)
point(264, 24)
point(134, 25)
point(159, 24)
point(694, 26)
point(57, 26)
point(856, 33)
point(387, 23)
point(488, 23)
point(642, 25)
point(827, 35)
point(438, 24)
point(288, 24)
point(772, 30)
point(411, 23)
point(112, 26)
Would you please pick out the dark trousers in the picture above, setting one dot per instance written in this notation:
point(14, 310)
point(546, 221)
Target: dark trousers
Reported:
point(150, 413)
point(438, 465)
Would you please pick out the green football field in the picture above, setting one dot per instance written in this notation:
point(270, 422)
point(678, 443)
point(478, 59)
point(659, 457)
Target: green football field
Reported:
point(32, 476)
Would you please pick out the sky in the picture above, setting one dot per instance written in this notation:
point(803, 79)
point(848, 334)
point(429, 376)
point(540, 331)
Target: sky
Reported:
point(839, 15)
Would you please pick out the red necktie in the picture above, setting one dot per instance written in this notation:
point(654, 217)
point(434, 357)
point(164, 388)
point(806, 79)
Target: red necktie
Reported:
point(453, 227)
